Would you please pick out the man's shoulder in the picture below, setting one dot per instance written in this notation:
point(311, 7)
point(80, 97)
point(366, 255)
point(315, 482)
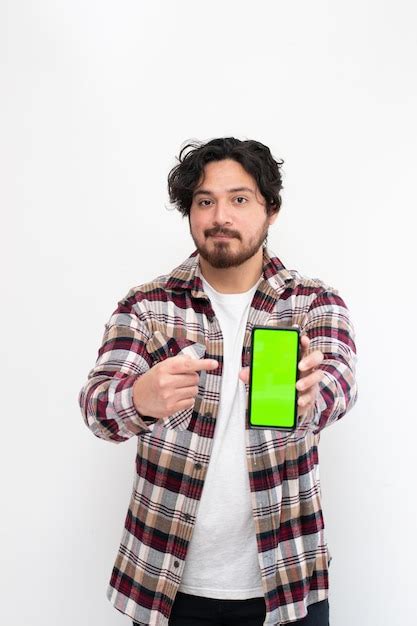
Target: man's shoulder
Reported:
point(314, 293)
point(302, 282)
point(298, 283)
point(164, 286)
point(154, 289)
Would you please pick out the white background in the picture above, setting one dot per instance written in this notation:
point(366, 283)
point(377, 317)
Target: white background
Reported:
point(96, 99)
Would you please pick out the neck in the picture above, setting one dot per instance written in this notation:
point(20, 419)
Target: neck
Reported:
point(233, 279)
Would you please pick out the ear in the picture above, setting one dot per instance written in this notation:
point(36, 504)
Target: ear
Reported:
point(272, 217)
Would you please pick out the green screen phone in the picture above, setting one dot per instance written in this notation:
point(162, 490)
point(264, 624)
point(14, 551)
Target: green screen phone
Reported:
point(273, 374)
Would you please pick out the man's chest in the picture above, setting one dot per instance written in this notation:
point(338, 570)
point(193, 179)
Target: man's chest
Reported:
point(184, 325)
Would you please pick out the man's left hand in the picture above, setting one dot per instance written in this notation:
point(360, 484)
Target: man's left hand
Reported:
point(309, 377)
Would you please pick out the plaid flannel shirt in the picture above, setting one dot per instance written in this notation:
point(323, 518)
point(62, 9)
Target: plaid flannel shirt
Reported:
point(172, 315)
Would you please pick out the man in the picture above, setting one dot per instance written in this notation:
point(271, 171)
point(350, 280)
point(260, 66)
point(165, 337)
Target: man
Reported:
point(225, 523)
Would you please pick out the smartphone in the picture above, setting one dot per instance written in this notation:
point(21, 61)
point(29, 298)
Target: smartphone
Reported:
point(272, 399)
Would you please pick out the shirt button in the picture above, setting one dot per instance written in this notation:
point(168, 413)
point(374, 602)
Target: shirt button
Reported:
point(208, 415)
point(187, 517)
point(198, 466)
point(176, 564)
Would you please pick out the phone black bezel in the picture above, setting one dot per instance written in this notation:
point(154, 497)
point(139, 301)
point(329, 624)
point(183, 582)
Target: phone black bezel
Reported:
point(268, 426)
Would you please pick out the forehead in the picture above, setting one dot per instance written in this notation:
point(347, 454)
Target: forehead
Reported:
point(219, 176)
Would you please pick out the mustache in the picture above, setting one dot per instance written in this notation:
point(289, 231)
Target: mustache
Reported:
point(221, 231)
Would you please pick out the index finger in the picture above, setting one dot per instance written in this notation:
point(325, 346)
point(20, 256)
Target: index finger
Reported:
point(188, 364)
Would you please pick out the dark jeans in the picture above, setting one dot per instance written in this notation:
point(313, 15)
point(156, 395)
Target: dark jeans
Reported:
point(196, 611)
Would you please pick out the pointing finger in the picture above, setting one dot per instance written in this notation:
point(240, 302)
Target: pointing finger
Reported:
point(204, 364)
point(184, 364)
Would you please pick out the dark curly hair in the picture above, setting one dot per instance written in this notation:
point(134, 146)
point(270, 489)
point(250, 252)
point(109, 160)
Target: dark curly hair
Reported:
point(253, 156)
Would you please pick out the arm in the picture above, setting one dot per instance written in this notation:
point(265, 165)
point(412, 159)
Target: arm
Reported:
point(106, 399)
point(330, 330)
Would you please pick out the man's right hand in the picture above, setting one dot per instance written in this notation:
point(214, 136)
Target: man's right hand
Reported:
point(169, 386)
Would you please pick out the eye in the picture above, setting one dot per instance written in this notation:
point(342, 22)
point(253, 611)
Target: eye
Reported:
point(201, 203)
point(241, 198)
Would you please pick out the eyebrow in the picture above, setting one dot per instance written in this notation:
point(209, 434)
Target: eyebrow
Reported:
point(207, 192)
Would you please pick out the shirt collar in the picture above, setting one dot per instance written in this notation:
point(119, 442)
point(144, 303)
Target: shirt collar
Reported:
point(187, 276)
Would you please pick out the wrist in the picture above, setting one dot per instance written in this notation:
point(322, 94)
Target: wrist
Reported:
point(136, 395)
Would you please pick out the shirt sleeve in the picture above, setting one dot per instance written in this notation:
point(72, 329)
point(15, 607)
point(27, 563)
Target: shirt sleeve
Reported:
point(329, 327)
point(106, 399)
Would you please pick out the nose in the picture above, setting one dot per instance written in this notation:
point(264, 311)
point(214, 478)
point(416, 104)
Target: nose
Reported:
point(221, 213)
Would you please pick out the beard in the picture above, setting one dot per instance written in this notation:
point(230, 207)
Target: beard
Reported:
point(221, 255)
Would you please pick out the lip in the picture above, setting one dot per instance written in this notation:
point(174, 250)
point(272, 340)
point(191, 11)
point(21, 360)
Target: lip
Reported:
point(220, 237)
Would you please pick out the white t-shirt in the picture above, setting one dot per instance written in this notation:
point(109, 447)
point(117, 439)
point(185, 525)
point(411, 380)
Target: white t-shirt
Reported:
point(222, 558)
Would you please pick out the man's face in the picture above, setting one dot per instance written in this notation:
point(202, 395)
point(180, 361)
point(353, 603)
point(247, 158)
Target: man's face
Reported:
point(228, 220)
